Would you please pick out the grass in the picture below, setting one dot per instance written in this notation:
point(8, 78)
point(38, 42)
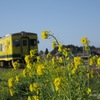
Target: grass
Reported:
point(95, 84)
point(5, 74)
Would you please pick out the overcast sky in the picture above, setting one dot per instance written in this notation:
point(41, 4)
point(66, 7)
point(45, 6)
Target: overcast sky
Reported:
point(69, 20)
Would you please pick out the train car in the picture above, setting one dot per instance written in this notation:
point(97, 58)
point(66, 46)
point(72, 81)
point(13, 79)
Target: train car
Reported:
point(15, 46)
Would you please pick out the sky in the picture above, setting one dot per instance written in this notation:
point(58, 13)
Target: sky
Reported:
point(68, 20)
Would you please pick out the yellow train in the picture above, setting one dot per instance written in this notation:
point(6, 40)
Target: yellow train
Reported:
point(15, 46)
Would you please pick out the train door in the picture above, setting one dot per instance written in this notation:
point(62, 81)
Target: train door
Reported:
point(25, 46)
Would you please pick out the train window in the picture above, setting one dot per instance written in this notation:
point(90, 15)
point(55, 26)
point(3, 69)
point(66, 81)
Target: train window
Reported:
point(0, 47)
point(24, 42)
point(33, 42)
point(16, 42)
point(3, 47)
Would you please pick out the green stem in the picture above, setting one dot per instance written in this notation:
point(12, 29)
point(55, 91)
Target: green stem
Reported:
point(54, 38)
point(70, 86)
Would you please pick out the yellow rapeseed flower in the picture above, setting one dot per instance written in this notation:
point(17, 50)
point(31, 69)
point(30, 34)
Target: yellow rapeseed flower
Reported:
point(91, 62)
point(31, 87)
point(27, 59)
point(29, 65)
point(11, 92)
point(16, 64)
point(60, 60)
point(84, 40)
point(40, 69)
point(98, 62)
point(89, 91)
point(48, 55)
point(95, 58)
point(17, 78)
point(74, 70)
point(57, 82)
point(35, 97)
point(87, 75)
point(57, 88)
point(10, 82)
point(92, 74)
point(53, 60)
point(38, 58)
point(45, 34)
point(77, 61)
point(24, 72)
point(36, 87)
point(53, 44)
point(68, 58)
point(65, 52)
point(29, 98)
point(60, 48)
point(33, 52)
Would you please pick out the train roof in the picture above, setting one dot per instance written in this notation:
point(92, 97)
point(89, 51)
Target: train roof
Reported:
point(19, 33)
point(23, 32)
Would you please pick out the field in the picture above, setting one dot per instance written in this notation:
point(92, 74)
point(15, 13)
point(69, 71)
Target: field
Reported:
point(65, 77)
point(5, 74)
